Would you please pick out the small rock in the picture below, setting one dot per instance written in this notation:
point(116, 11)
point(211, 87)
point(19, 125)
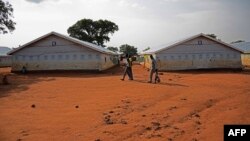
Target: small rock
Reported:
point(156, 125)
point(143, 115)
point(124, 121)
point(33, 106)
point(197, 115)
point(97, 140)
point(111, 112)
point(148, 128)
point(76, 106)
point(198, 122)
point(194, 139)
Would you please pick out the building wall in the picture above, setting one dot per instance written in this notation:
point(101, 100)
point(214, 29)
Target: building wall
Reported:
point(245, 59)
point(191, 55)
point(65, 55)
point(5, 61)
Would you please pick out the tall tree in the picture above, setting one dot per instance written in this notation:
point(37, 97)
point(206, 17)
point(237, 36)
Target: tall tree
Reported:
point(238, 41)
point(96, 32)
point(114, 49)
point(146, 49)
point(6, 15)
point(128, 49)
point(212, 36)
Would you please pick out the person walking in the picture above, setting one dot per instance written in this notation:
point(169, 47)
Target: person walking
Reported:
point(153, 69)
point(128, 69)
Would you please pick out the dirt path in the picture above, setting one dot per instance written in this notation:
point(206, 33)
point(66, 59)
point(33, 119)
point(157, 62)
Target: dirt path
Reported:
point(191, 106)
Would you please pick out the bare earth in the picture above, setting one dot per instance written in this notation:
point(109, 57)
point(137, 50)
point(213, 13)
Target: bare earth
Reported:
point(185, 106)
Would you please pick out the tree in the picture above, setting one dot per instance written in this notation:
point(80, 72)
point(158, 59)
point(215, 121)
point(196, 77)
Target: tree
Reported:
point(212, 36)
point(146, 49)
point(114, 49)
point(96, 32)
point(6, 15)
point(127, 49)
point(238, 41)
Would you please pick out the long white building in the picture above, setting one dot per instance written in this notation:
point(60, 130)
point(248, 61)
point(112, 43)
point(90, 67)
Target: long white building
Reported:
point(196, 52)
point(55, 51)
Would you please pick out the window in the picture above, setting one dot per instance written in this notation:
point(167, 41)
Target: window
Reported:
point(105, 60)
point(186, 56)
point(52, 57)
point(214, 55)
point(31, 58)
point(165, 57)
point(207, 55)
point(172, 57)
point(228, 56)
point(193, 56)
point(45, 57)
point(200, 56)
point(67, 57)
point(221, 56)
point(235, 56)
point(200, 42)
point(53, 43)
point(179, 57)
point(82, 57)
point(59, 57)
point(90, 56)
point(97, 56)
point(74, 56)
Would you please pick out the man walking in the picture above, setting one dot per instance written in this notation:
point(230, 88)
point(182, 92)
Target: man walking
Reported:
point(128, 69)
point(153, 69)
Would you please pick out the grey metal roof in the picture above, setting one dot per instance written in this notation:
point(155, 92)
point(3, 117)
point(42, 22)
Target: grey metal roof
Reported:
point(183, 40)
point(244, 46)
point(83, 43)
point(4, 50)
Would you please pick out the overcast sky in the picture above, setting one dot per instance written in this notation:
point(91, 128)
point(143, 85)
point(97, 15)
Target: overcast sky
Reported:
point(142, 23)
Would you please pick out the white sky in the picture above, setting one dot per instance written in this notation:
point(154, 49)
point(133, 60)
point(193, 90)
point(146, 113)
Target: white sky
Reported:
point(142, 23)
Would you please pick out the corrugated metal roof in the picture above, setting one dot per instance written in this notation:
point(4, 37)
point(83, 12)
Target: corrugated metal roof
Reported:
point(244, 46)
point(4, 50)
point(84, 43)
point(183, 40)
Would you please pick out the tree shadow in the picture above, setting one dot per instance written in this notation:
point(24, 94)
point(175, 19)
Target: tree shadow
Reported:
point(20, 82)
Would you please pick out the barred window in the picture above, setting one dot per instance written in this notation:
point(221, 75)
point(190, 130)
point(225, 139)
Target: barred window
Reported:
point(74, 56)
point(82, 57)
point(90, 56)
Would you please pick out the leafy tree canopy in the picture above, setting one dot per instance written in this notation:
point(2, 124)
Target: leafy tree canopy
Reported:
point(114, 49)
point(128, 49)
point(6, 15)
point(212, 36)
point(96, 32)
point(238, 41)
point(146, 49)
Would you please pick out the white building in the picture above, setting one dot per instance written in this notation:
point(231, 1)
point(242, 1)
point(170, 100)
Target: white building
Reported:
point(245, 56)
point(196, 52)
point(55, 51)
point(5, 60)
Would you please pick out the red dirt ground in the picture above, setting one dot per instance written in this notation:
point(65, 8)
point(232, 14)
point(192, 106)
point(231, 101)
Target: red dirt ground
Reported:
point(185, 106)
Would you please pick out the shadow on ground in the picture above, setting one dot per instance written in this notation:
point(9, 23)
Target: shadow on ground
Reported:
point(20, 82)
